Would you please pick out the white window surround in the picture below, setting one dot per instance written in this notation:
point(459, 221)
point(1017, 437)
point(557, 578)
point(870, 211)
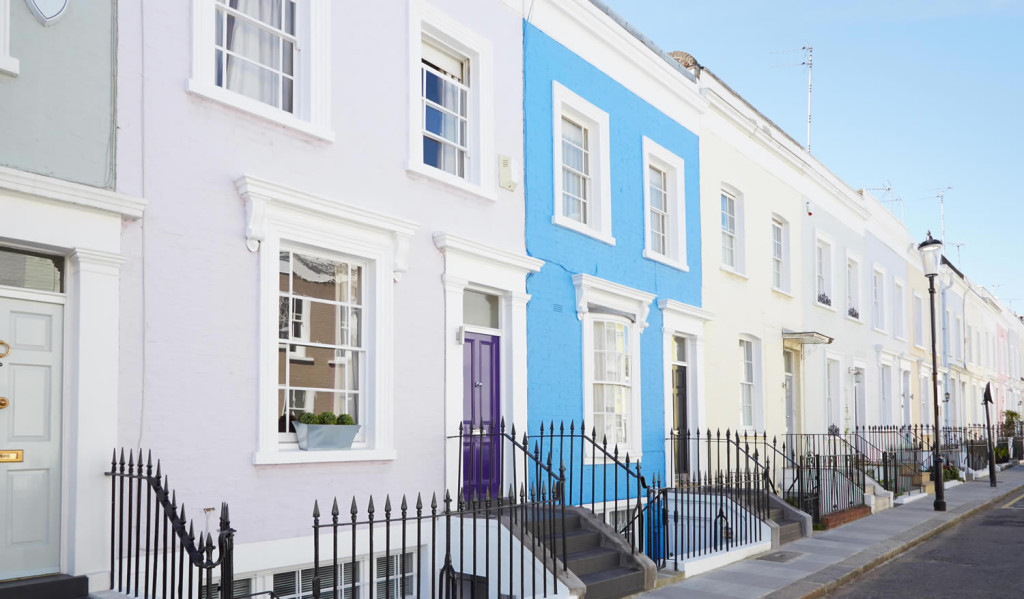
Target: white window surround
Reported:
point(824, 271)
point(279, 215)
point(8, 64)
point(683, 320)
point(778, 221)
point(878, 321)
point(634, 306)
point(427, 22)
point(472, 265)
point(854, 296)
point(565, 103)
point(739, 263)
point(756, 397)
point(899, 310)
point(673, 166)
point(312, 94)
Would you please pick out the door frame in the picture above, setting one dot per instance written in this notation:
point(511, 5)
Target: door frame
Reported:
point(84, 224)
point(682, 320)
point(478, 267)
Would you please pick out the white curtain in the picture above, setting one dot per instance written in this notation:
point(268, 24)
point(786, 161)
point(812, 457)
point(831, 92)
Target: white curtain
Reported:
point(257, 46)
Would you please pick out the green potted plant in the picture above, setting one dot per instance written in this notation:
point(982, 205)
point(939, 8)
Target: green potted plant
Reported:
point(322, 431)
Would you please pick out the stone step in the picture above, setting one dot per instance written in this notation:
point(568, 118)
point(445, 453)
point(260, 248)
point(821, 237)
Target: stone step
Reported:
point(789, 531)
point(594, 559)
point(614, 583)
point(59, 586)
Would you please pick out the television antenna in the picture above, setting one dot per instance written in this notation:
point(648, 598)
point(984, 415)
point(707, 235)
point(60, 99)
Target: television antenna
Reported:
point(958, 245)
point(808, 62)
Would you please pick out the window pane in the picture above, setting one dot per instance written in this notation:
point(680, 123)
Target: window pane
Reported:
point(29, 270)
point(480, 309)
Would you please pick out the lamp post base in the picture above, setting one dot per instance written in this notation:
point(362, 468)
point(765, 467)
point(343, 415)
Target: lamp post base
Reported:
point(940, 495)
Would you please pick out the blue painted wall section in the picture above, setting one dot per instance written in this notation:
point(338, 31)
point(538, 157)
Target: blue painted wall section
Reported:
point(555, 340)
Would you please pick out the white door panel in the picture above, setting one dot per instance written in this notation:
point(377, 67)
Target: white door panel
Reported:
point(30, 379)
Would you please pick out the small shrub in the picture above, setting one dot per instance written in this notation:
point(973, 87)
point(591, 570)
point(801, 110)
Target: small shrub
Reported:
point(326, 418)
point(345, 419)
point(1002, 454)
point(950, 473)
point(308, 418)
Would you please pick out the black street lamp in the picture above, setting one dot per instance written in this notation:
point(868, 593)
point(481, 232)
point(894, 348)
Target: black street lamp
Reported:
point(931, 256)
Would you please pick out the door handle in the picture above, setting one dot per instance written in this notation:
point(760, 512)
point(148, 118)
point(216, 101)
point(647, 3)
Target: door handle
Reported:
point(4, 402)
point(7, 350)
point(478, 384)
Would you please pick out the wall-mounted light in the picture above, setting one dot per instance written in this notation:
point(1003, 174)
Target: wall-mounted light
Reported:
point(947, 397)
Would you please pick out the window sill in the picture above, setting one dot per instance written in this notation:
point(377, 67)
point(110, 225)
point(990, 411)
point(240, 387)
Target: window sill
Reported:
point(429, 173)
point(824, 306)
point(9, 66)
point(291, 454)
point(856, 320)
point(259, 109)
point(570, 224)
point(878, 330)
point(784, 294)
point(662, 259)
point(734, 273)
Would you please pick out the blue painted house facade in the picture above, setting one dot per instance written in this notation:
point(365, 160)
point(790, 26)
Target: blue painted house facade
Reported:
point(614, 323)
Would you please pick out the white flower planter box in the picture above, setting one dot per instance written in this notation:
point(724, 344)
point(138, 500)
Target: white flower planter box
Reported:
point(318, 437)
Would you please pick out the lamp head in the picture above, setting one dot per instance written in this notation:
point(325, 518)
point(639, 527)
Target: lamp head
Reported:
point(931, 255)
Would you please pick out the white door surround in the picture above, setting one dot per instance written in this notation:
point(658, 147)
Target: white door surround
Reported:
point(84, 225)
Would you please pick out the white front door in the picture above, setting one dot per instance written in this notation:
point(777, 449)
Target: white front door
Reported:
point(30, 437)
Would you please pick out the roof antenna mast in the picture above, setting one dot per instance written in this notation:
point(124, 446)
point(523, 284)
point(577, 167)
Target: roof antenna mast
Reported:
point(809, 63)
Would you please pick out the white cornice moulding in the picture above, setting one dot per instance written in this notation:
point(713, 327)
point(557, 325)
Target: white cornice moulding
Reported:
point(587, 31)
point(66, 192)
point(669, 305)
point(592, 290)
point(449, 243)
point(262, 197)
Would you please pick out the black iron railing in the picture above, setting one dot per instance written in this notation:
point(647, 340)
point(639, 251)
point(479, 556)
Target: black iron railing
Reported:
point(718, 502)
point(591, 473)
point(460, 548)
point(153, 553)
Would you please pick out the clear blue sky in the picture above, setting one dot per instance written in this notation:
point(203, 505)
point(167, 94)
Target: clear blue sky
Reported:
point(918, 95)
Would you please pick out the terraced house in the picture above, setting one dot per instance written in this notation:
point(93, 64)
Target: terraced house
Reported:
point(591, 313)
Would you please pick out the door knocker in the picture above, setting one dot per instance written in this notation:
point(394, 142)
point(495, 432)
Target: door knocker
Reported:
point(6, 349)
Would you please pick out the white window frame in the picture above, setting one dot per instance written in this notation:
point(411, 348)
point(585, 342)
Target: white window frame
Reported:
point(672, 166)
point(756, 398)
point(631, 305)
point(569, 105)
point(8, 64)
point(429, 23)
point(918, 320)
point(782, 260)
point(283, 217)
point(899, 308)
point(738, 233)
point(824, 271)
point(853, 294)
point(878, 299)
point(312, 91)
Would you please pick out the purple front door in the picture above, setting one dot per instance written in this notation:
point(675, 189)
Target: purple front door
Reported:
point(481, 419)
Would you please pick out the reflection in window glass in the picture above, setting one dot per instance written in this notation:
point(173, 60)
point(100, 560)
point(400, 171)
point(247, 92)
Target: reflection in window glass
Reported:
point(29, 270)
point(320, 328)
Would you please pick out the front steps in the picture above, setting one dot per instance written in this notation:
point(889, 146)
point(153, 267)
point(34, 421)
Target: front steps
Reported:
point(597, 555)
point(789, 530)
point(57, 586)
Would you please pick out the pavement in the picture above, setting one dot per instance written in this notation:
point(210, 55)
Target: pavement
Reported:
point(813, 566)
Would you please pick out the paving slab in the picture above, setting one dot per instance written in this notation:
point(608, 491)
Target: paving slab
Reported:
point(831, 557)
